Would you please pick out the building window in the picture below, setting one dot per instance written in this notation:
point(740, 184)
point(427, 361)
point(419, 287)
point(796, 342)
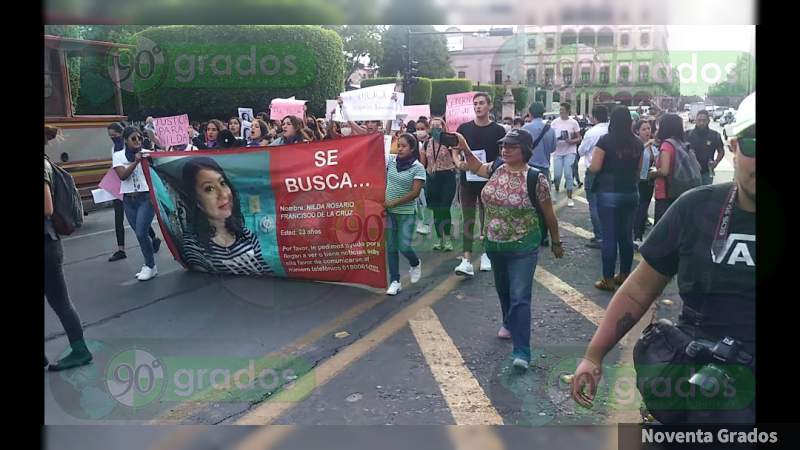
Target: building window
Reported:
point(644, 74)
point(569, 38)
point(548, 77)
point(645, 39)
point(567, 76)
point(604, 75)
point(462, 74)
point(585, 76)
point(605, 38)
point(624, 39)
point(498, 77)
point(531, 76)
point(532, 44)
point(624, 71)
point(586, 37)
point(550, 43)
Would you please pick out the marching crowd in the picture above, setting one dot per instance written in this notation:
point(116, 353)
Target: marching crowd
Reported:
point(501, 176)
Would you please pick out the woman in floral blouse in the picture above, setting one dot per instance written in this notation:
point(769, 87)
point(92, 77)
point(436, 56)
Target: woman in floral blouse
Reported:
point(512, 233)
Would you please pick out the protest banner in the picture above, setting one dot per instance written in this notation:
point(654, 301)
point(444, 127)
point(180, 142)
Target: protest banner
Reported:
point(415, 111)
point(246, 114)
point(172, 130)
point(459, 110)
point(282, 107)
point(373, 103)
point(311, 211)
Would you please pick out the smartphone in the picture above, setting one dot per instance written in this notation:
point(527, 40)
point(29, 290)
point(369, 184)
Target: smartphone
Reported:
point(448, 139)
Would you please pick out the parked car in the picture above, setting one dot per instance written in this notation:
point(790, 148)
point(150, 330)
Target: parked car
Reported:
point(718, 112)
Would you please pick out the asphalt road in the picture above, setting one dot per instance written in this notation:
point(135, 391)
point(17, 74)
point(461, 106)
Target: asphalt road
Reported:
point(333, 354)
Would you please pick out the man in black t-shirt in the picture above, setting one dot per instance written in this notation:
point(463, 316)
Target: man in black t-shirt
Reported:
point(706, 143)
point(716, 269)
point(481, 134)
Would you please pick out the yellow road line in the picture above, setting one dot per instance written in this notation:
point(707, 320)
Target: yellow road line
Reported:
point(570, 296)
point(274, 407)
point(468, 403)
point(188, 408)
point(474, 438)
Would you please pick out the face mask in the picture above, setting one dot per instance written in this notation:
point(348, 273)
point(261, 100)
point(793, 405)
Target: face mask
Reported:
point(346, 131)
point(119, 143)
point(436, 133)
point(421, 134)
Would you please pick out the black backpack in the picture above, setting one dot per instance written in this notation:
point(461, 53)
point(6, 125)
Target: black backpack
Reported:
point(532, 181)
point(67, 205)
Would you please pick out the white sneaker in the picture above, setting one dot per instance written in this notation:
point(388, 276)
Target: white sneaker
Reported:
point(423, 228)
point(140, 271)
point(486, 263)
point(465, 268)
point(637, 243)
point(147, 273)
point(415, 272)
point(570, 203)
point(394, 288)
point(520, 363)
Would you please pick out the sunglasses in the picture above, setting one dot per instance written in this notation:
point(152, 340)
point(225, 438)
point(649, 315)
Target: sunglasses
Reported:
point(746, 145)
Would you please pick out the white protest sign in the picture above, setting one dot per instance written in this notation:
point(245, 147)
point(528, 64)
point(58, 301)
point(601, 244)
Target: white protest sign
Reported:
point(480, 154)
point(333, 113)
point(415, 111)
point(246, 115)
point(282, 107)
point(459, 110)
point(400, 123)
point(102, 196)
point(172, 130)
point(387, 144)
point(372, 103)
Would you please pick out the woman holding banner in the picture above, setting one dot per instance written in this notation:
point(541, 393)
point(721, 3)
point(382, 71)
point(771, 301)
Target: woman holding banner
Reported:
point(405, 177)
point(440, 164)
point(218, 241)
point(293, 132)
point(136, 197)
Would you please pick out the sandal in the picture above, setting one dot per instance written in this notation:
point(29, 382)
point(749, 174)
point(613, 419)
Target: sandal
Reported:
point(606, 284)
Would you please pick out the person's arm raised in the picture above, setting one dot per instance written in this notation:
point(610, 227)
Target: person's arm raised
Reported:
point(473, 164)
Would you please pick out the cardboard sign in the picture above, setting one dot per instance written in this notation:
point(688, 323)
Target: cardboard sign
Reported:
point(172, 130)
point(333, 113)
point(282, 107)
point(372, 103)
point(111, 183)
point(459, 110)
point(480, 154)
point(415, 111)
point(308, 211)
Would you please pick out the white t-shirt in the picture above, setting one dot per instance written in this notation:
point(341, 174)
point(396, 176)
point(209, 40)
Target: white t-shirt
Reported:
point(136, 182)
point(570, 126)
point(590, 140)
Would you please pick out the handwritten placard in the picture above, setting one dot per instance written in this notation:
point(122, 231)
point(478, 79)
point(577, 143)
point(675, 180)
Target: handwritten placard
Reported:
point(282, 107)
point(172, 130)
point(372, 103)
point(459, 110)
point(415, 111)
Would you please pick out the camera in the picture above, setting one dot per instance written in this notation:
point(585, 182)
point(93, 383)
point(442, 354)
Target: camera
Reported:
point(726, 351)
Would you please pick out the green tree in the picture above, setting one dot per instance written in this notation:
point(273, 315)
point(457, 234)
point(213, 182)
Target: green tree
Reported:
point(429, 50)
point(359, 41)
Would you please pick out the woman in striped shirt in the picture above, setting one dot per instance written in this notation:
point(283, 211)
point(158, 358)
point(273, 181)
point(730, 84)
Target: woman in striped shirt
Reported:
point(220, 242)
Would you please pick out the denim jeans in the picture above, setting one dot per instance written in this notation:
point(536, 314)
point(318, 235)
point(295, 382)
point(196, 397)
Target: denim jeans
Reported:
point(616, 218)
point(563, 164)
point(513, 280)
point(591, 197)
point(140, 213)
point(399, 234)
point(707, 178)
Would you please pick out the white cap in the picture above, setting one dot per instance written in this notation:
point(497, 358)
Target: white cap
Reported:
point(745, 117)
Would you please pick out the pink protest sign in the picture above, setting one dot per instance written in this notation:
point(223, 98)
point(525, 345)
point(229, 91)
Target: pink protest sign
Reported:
point(111, 182)
point(459, 110)
point(172, 130)
point(415, 111)
point(280, 108)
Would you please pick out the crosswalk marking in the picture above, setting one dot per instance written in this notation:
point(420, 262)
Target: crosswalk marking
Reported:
point(570, 296)
point(580, 199)
point(468, 403)
point(266, 438)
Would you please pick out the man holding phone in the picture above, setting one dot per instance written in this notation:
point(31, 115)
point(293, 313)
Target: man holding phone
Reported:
point(568, 137)
point(482, 135)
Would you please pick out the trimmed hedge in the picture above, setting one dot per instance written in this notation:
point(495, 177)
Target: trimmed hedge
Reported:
point(420, 93)
point(442, 87)
point(318, 69)
point(498, 92)
point(520, 100)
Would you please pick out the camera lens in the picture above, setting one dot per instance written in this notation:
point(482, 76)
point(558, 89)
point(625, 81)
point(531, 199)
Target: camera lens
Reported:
point(710, 378)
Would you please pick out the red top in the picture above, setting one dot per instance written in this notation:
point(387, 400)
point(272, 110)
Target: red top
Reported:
point(661, 182)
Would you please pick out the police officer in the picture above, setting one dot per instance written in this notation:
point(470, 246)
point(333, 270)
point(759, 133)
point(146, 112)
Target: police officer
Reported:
point(708, 239)
point(707, 146)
